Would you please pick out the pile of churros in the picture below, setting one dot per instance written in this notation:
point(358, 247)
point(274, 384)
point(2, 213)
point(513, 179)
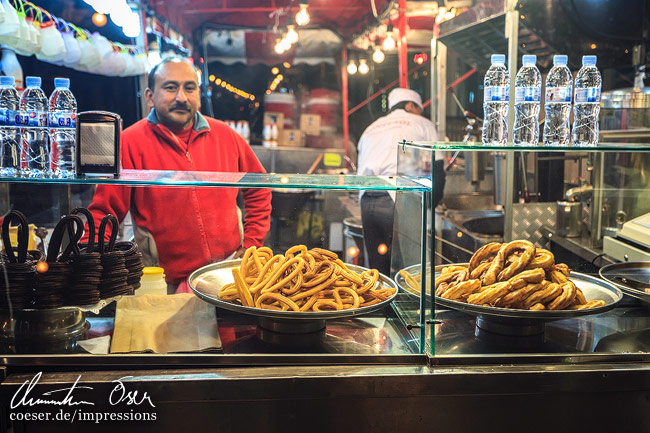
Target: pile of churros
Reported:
point(513, 275)
point(413, 282)
point(302, 280)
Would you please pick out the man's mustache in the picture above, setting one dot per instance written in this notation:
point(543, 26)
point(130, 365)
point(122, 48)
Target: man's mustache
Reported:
point(180, 107)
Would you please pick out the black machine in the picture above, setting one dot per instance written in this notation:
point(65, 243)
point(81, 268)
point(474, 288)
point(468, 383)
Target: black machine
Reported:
point(98, 143)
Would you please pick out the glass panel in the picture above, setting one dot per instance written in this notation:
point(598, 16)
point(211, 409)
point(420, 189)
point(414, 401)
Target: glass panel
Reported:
point(588, 207)
point(602, 147)
point(243, 180)
point(186, 229)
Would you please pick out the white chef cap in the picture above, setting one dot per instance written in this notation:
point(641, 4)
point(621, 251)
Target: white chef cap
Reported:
point(403, 95)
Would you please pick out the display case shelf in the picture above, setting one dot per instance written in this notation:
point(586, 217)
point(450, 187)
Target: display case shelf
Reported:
point(238, 180)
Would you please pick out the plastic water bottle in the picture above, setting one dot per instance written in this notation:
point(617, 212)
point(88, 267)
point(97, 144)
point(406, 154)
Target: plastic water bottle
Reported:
point(9, 130)
point(496, 96)
point(62, 120)
point(33, 111)
point(528, 92)
point(558, 103)
point(586, 103)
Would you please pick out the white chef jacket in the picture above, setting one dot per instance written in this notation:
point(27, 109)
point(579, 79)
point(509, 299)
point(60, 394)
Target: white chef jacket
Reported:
point(378, 144)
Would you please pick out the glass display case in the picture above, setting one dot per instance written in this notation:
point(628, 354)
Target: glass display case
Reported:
point(200, 362)
point(586, 208)
point(308, 210)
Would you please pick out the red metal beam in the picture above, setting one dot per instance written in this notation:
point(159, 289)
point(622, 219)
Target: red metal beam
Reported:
point(460, 79)
point(403, 48)
point(382, 90)
point(344, 96)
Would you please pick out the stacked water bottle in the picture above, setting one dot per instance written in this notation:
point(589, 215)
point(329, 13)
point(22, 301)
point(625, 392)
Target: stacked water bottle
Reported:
point(528, 83)
point(37, 135)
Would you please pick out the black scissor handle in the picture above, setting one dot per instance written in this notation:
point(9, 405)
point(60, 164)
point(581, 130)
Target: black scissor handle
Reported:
point(91, 228)
point(67, 223)
point(115, 227)
point(23, 236)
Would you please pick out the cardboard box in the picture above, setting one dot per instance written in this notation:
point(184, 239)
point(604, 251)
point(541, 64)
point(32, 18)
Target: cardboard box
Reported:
point(310, 124)
point(275, 117)
point(292, 138)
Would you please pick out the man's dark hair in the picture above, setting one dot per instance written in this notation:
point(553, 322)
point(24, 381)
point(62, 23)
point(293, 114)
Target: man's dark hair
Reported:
point(399, 106)
point(169, 59)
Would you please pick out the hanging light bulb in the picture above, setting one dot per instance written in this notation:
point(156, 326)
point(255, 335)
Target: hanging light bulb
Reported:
point(302, 17)
point(286, 45)
point(352, 67)
point(389, 42)
point(292, 34)
point(378, 55)
point(279, 47)
point(363, 67)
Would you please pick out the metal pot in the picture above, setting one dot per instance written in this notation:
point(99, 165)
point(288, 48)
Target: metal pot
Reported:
point(569, 219)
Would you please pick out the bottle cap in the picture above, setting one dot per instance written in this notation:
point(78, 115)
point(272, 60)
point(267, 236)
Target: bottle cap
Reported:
point(153, 270)
point(529, 59)
point(7, 80)
point(560, 59)
point(62, 82)
point(498, 59)
point(588, 60)
point(33, 81)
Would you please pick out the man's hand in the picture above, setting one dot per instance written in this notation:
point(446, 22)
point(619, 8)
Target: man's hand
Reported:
point(239, 253)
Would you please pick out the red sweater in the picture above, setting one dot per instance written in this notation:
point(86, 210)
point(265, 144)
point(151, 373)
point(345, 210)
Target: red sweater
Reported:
point(191, 226)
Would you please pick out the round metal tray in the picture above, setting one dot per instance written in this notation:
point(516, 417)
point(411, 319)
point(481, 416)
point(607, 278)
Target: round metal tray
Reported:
point(632, 278)
point(206, 282)
point(403, 286)
point(592, 287)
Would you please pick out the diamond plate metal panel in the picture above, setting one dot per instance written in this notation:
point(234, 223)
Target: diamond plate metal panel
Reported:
point(528, 218)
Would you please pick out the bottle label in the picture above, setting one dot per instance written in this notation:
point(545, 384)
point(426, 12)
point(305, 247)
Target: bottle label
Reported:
point(587, 94)
point(496, 94)
point(8, 117)
point(33, 118)
point(558, 94)
point(62, 120)
point(528, 94)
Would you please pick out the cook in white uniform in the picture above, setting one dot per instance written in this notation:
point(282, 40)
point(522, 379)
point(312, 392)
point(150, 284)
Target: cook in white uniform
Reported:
point(378, 148)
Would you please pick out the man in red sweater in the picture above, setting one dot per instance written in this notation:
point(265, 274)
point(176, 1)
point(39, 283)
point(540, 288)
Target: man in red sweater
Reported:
point(184, 228)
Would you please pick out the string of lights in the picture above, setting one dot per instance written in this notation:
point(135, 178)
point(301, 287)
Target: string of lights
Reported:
point(229, 87)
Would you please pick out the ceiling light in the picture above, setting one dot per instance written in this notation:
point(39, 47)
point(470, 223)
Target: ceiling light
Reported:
point(302, 17)
point(378, 56)
point(279, 47)
point(389, 42)
point(292, 34)
point(352, 68)
point(99, 19)
point(363, 67)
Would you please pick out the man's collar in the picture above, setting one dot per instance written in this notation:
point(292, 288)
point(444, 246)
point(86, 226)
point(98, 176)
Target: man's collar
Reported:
point(200, 123)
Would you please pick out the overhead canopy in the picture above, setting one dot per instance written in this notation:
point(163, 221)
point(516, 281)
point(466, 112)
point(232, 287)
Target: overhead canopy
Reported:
point(344, 17)
point(246, 46)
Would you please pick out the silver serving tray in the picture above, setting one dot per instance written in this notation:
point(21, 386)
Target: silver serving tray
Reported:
point(631, 278)
point(206, 282)
point(592, 287)
point(404, 287)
